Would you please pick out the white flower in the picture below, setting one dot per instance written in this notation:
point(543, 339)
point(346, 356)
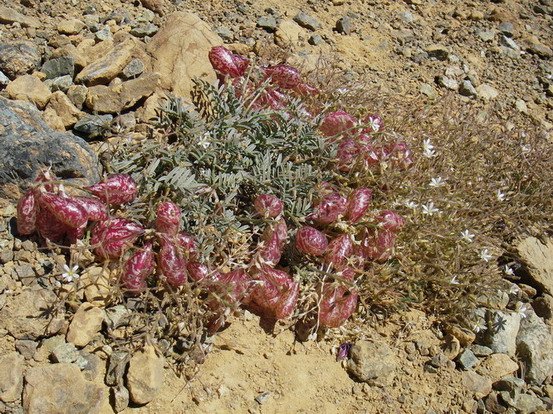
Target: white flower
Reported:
point(467, 236)
point(454, 281)
point(514, 289)
point(374, 123)
point(436, 182)
point(521, 309)
point(501, 196)
point(485, 255)
point(428, 149)
point(508, 271)
point(429, 209)
point(411, 204)
point(479, 326)
point(70, 274)
point(525, 148)
point(204, 141)
point(342, 91)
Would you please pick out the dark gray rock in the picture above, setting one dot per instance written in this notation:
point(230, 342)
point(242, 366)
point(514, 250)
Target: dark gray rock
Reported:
point(343, 25)
point(224, 32)
point(59, 84)
point(117, 364)
point(309, 22)
point(93, 125)
point(133, 69)
point(61, 66)
point(507, 29)
point(438, 51)
point(316, 40)
point(119, 398)
point(511, 384)
point(18, 58)
point(268, 23)
point(28, 145)
point(467, 359)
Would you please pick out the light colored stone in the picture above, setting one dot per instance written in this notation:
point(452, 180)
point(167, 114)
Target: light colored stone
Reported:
point(477, 384)
point(11, 380)
point(487, 92)
point(535, 348)
point(465, 336)
point(154, 5)
point(61, 388)
point(145, 375)
point(29, 88)
point(107, 67)
point(77, 95)
point(180, 52)
point(53, 120)
point(96, 281)
point(65, 109)
point(86, 323)
point(372, 362)
point(70, 26)
point(8, 16)
point(538, 258)
point(289, 33)
point(502, 336)
point(149, 110)
point(496, 366)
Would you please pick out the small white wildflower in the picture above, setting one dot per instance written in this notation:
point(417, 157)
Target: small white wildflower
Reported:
point(501, 196)
point(525, 148)
point(508, 271)
point(436, 182)
point(485, 255)
point(411, 204)
point(342, 91)
point(70, 274)
point(521, 309)
point(429, 209)
point(374, 123)
point(479, 326)
point(428, 149)
point(454, 281)
point(204, 141)
point(514, 289)
point(467, 236)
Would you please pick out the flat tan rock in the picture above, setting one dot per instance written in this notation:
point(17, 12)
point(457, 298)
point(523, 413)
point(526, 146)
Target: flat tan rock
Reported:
point(53, 120)
point(145, 375)
point(29, 88)
point(9, 16)
point(71, 26)
point(538, 258)
point(103, 70)
point(180, 52)
point(86, 323)
point(497, 366)
point(11, 380)
point(289, 33)
point(64, 108)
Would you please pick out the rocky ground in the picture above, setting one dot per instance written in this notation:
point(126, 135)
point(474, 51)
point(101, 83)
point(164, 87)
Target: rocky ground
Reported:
point(91, 70)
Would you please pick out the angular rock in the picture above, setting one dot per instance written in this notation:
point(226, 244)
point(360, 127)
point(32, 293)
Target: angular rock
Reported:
point(144, 29)
point(62, 83)
point(502, 337)
point(467, 359)
point(145, 375)
point(70, 26)
point(268, 23)
point(103, 34)
point(437, 51)
point(117, 365)
point(54, 68)
point(4, 80)
point(309, 22)
point(288, 33)
point(11, 380)
point(77, 95)
point(18, 58)
point(534, 46)
point(528, 403)
point(93, 125)
point(543, 306)
point(29, 88)
point(60, 388)
point(535, 348)
point(180, 52)
point(53, 120)
point(497, 366)
point(373, 363)
point(86, 323)
point(493, 404)
point(511, 384)
point(26, 315)
point(109, 66)
point(487, 92)
point(477, 384)
point(68, 353)
point(28, 145)
point(26, 347)
point(538, 260)
point(467, 89)
point(448, 83)
point(154, 5)
point(9, 16)
point(343, 25)
point(119, 398)
point(133, 69)
point(65, 109)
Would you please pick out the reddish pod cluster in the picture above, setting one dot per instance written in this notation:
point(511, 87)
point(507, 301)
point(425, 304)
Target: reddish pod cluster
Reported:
point(284, 80)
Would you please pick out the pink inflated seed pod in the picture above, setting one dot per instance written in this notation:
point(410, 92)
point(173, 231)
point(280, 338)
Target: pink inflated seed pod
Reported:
point(339, 250)
point(358, 203)
point(118, 189)
point(268, 206)
point(377, 244)
point(330, 208)
point(224, 62)
point(336, 123)
point(276, 296)
point(188, 245)
point(168, 218)
point(137, 269)
point(64, 208)
point(338, 301)
point(309, 240)
point(95, 208)
point(284, 76)
point(171, 263)
point(390, 220)
point(272, 243)
point(45, 177)
point(27, 212)
point(347, 152)
point(49, 227)
point(113, 237)
point(198, 271)
point(304, 89)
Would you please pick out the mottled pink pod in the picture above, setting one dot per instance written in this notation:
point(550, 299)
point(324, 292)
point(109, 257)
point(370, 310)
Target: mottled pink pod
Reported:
point(401, 153)
point(337, 302)
point(304, 89)
point(198, 271)
point(377, 244)
point(272, 243)
point(137, 269)
point(239, 283)
point(188, 245)
point(284, 76)
point(358, 203)
point(390, 220)
point(339, 250)
point(118, 189)
point(27, 212)
point(273, 99)
point(335, 123)
point(113, 237)
point(309, 240)
point(49, 226)
point(227, 64)
point(347, 152)
point(171, 263)
point(277, 295)
point(74, 234)
point(330, 208)
point(65, 208)
point(168, 218)
point(268, 206)
point(95, 208)
point(373, 122)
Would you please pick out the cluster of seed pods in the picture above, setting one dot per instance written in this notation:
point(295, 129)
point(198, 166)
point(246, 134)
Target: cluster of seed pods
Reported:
point(283, 81)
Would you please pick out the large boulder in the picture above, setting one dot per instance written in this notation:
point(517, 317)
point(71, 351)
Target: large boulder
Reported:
point(28, 145)
point(180, 52)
